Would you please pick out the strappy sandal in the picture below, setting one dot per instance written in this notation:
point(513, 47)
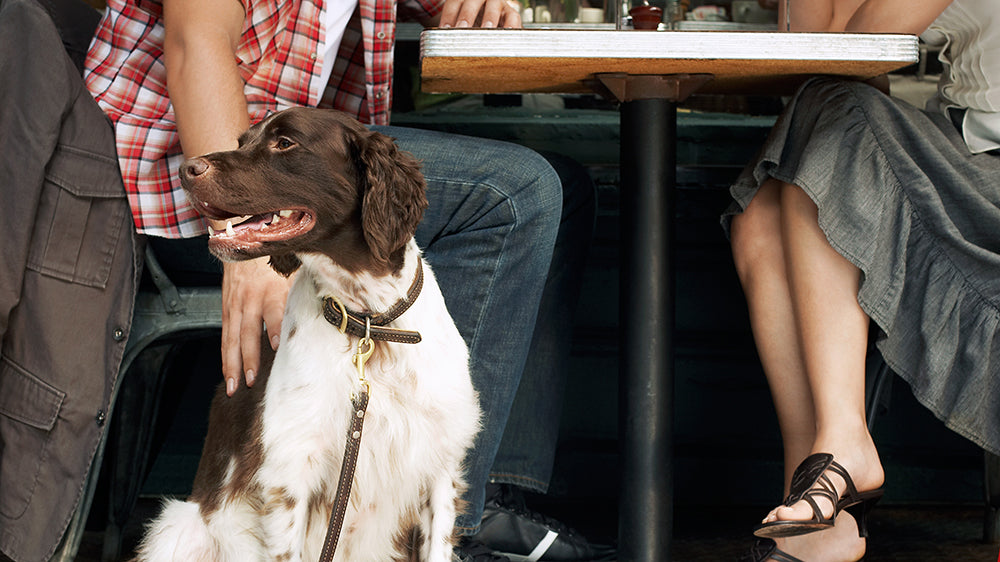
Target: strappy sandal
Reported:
point(810, 482)
point(764, 550)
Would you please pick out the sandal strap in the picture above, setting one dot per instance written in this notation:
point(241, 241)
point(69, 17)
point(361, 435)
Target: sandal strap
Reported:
point(806, 475)
point(824, 489)
point(781, 556)
point(811, 481)
point(851, 492)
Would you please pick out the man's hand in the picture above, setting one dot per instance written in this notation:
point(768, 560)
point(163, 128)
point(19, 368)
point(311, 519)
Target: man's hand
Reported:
point(480, 13)
point(253, 295)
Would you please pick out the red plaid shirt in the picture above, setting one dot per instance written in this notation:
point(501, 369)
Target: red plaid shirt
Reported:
point(277, 58)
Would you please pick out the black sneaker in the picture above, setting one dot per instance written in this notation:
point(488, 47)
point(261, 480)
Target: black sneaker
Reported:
point(510, 529)
point(471, 551)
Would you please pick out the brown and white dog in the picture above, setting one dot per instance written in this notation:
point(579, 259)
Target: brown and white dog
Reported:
point(320, 193)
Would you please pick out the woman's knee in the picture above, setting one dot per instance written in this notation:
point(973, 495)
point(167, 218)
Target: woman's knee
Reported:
point(755, 235)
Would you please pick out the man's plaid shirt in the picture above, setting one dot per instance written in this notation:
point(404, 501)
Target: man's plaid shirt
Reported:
point(277, 57)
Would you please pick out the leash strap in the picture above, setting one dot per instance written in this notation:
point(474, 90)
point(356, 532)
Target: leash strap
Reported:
point(369, 328)
point(346, 476)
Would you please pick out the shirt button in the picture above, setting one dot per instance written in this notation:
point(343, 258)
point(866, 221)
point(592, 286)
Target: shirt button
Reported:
point(380, 35)
point(312, 56)
point(379, 94)
point(101, 418)
point(118, 334)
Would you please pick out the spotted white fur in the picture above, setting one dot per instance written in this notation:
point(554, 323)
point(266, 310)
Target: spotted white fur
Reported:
point(422, 417)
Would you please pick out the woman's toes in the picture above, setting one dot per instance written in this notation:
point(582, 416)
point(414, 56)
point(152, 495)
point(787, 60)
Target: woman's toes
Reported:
point(799, 511)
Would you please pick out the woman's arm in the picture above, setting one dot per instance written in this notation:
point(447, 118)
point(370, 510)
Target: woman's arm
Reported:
point(817, 15)
point(895, 16)
point(862, 16)
point(206, 90)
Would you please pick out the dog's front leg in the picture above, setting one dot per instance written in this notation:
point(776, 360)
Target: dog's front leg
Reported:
point(285, 524)
point(438, 519)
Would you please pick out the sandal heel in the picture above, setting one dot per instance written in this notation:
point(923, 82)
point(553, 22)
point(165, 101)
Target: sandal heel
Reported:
point(860, 511)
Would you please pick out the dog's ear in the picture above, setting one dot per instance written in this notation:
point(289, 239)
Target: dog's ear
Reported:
point(394, 194)
point(285, 264)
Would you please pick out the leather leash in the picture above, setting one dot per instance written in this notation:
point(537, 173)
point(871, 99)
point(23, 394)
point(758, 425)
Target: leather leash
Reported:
point(363, 327)
point(346, 472)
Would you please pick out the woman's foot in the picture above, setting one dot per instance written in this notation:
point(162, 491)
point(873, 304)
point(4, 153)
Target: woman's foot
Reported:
point(865, 471)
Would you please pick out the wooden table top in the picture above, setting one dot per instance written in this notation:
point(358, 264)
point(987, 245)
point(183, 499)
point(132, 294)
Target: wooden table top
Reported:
point(559, 60)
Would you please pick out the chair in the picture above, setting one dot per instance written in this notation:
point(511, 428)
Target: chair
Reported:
point(878, 391)
point(163, 314)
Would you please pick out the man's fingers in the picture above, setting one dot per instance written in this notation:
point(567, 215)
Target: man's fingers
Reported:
point(449, 14)
point(511, 18)
point(232, 362)
point(469, 14)
point(492, 13)
point(272, 320)
point(481, 13)
point(250, 333)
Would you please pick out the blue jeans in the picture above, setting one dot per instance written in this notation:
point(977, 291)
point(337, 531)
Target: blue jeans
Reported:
point(527, 451)
point(489, 234)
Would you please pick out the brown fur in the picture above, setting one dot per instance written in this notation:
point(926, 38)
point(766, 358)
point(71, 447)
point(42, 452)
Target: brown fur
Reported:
point(372, 193)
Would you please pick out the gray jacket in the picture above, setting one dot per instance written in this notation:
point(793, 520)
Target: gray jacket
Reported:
point(68, 276)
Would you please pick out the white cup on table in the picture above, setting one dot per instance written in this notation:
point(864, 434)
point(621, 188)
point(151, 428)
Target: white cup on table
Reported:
point(591, 15)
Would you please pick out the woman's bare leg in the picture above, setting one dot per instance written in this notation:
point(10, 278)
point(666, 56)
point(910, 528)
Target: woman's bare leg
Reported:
point(760, 253)
point(760, 263)
point(833, 335)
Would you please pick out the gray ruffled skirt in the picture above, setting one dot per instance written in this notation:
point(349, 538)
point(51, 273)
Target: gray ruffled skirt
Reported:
point(901, 197)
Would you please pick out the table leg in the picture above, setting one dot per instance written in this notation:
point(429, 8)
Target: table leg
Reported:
point(648, 175)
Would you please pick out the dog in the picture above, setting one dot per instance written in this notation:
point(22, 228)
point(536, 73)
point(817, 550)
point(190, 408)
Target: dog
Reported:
point(327, 198)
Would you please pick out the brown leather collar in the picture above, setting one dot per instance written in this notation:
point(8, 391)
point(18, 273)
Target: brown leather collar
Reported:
point(373, 325)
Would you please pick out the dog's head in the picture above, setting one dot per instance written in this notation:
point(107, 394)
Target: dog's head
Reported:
point(310, 181)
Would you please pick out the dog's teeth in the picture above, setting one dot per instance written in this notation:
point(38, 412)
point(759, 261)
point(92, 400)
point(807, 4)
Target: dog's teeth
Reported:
point(263, 225)
point(211, 231)
point(229, 228)
point(285, 214)
point(275, 219)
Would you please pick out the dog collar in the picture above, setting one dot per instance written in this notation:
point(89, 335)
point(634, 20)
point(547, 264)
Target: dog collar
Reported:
point(374, 325)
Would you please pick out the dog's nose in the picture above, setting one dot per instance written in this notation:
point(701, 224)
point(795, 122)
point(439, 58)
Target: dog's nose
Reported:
point(194, 167)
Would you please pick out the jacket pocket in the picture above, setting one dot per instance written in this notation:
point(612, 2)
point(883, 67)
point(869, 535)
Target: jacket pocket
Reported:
point(80, 217)
point(28, 412)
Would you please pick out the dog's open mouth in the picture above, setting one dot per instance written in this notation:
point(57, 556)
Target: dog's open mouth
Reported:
point(245, 232)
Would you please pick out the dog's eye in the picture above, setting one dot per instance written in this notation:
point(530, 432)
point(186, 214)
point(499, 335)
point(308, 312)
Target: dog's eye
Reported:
point(284, 143)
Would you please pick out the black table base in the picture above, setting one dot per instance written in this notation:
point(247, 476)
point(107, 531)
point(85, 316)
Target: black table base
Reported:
point(648, 116)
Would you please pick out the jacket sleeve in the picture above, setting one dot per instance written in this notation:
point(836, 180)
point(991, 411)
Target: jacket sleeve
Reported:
point(32, 107)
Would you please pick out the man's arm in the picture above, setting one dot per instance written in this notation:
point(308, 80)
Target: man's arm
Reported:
point(206, 90)
point(203, 78)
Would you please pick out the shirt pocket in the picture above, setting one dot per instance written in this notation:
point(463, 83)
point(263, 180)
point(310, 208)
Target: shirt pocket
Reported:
point(79, 219)
point(28, 411)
